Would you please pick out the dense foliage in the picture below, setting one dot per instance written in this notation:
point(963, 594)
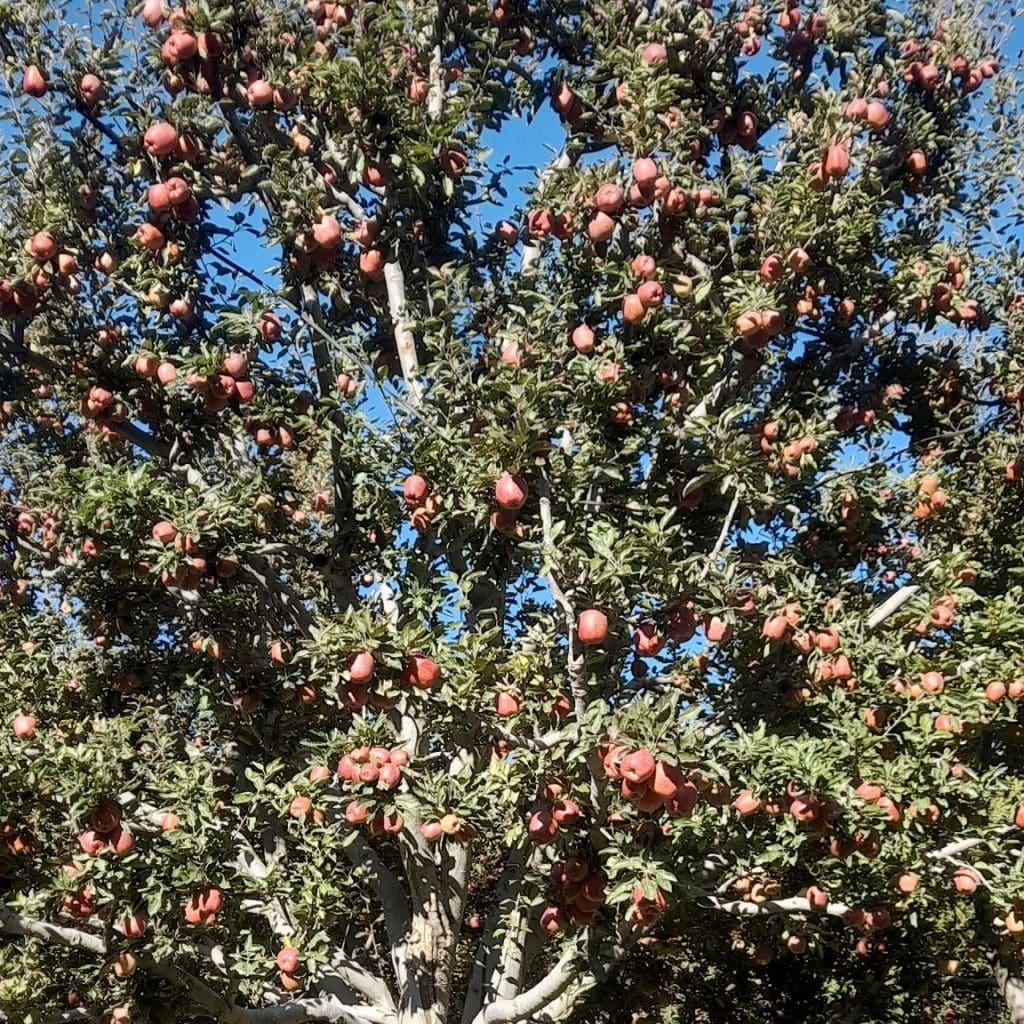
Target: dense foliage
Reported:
point(612, 610)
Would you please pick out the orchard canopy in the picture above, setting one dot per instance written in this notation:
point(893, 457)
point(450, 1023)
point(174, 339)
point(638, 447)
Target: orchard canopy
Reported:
point(433, 592)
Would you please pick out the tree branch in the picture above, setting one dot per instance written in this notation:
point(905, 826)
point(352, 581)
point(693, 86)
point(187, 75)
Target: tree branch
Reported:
point(405, 343)
point(576, 660)
point(534, 999)
point(53, 934)
point(891, 605)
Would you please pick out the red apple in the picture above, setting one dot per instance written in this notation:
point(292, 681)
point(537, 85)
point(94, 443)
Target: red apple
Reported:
point(592, 627)
point(510, 491)
point(24, 727)
point(420, 670)
point(34, 81)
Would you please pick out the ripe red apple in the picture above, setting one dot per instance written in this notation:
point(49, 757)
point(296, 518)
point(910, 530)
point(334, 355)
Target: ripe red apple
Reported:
point(288, 959)
point(90, 88)
point(42, 246)
point(431, 831)
point(747, 803)
point(638, 766)
point(260, 93)
point(164, 532)
point(645, 172)
point(506, 704)
point(134, 926)
point(355, 813)
point(647, 641)
point(633, 309)
point(506, 232)
point(360, 667)
point(907, 882)
point(270, 326)
point(152, 13)
point(876, 114)
point(34, 81)
point(817, 898)
point(965, 880)
point(327, 232)
point(24, 727)
point(168, 822)
point(552, 919)
point(917, 162)
point(454, 162)
point(583, 339)
point(542, 827)
point(420, 670)
point(600, 227)
point(995, 691)
point(414, 490)
point(510, 491)
point(609, 198)
point(654, 53)
point(650, 293)
point(161, 139)
point(592, 627)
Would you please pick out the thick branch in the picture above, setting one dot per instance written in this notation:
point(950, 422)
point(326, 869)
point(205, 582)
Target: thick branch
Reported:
point(298, 1010)
point(891, 605)
point(56, 935)
point(748, 908)
point(576, 660)
point(535, 999)
point(405, 343)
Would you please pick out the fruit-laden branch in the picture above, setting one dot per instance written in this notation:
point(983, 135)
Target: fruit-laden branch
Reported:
point(748, 908)
point(891, 605)
point(57, 935)
point(534, 1000)
point(328, 1009)
point(531, 248)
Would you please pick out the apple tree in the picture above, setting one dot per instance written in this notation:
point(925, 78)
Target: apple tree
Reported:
point(423, 600)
